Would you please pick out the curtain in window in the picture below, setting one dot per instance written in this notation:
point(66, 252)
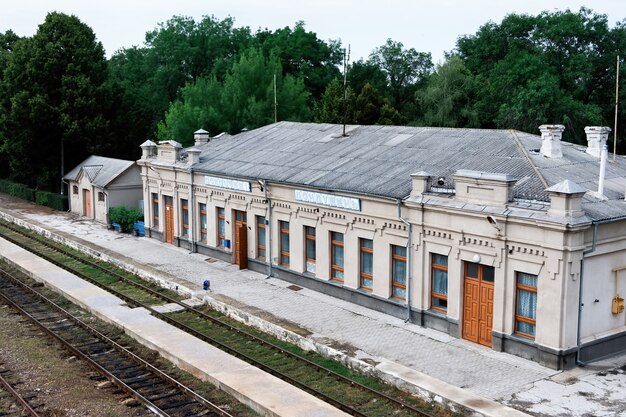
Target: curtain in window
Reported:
point(440, 282)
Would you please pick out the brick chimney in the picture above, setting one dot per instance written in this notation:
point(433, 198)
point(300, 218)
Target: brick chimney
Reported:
point(201, 137)
point(596, 139)
point(551, 140)
point(193, 156)
point(148, 149)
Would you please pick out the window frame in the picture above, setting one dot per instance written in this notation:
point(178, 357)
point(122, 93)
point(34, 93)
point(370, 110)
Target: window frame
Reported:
point(203, 220)
point(363, 275)
point(394, 283)
point(261, 246)
point(524, 319)
point(155, 210)
point(74, 189)
point(444, 268)
point(308, 238)
point(283, 230)
point(184, 217)
point(220, 214)
point(334, 268)
point(101, 197)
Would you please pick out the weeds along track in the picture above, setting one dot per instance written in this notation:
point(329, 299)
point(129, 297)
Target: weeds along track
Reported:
point(351, 392)
point(13, 402)
point(160, 393)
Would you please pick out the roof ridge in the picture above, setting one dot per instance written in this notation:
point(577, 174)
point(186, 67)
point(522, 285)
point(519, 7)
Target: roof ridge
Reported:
point(527, 156)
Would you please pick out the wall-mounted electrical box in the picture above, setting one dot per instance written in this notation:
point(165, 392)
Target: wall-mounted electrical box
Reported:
point(617, 306)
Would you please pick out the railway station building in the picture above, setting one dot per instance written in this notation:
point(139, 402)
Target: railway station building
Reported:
point(506, 239)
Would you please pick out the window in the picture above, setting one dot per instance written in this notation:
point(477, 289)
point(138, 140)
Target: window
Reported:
point(526, 305)
point(366, 259)
point(203, 227)
point(75, 189)
point(260, 238)
point(309, 234)
point(439, 290)
point(155, 210)
point(398, 272)
point(184, 210)
point(100, 196)
point(284, 243)
point(220, 227)
point(336, 256)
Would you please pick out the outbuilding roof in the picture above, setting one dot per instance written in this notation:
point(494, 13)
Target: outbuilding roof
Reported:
point(100, 170)
point(379, 160)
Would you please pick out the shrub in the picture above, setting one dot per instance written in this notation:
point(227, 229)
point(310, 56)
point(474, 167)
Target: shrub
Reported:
point(53, 200)
point(58, 201)
point(41, 198)
point(125, 217)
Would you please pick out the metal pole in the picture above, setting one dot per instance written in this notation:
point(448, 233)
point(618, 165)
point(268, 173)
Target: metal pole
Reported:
point(616, 101)
point(62, 165)
point(275, 104)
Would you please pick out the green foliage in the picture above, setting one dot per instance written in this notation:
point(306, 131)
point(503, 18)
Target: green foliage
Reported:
point(551, 68)
point(331, 107)
point(244, 100)
point(53, 84)
point(447, 98)
point(125, 217)
point(44, 198)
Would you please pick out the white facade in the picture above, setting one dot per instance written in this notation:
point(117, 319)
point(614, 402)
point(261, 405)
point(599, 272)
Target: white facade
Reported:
point(529, 258)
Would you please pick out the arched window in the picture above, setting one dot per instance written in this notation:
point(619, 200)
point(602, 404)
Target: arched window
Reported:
point(75, 189)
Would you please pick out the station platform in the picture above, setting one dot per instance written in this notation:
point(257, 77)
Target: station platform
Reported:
point(257, 389)
point(429, 363)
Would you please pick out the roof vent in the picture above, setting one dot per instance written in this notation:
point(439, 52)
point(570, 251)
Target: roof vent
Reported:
point(200, 137)
point(551, 140)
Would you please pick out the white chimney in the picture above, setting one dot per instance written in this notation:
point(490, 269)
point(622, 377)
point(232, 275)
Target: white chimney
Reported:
point(596, 139)
point(148, 149)
point(201, 137)
point(551, 140)
point(193, 156)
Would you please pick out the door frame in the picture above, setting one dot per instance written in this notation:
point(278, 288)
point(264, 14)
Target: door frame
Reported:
point(239, 246)
point(168, 221)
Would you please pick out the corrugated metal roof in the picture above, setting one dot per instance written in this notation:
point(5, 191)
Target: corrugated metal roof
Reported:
point(379, 160)
point(99, 169)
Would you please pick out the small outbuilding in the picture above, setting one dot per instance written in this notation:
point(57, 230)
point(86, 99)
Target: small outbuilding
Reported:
point(99, 183)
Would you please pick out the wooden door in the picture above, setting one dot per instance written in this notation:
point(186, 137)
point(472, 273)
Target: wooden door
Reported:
point(87, 203)
point(169, 219)
point(478, 303)
point(240, 244)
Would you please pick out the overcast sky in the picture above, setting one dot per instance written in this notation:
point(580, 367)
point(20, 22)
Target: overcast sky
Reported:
point(429, 26)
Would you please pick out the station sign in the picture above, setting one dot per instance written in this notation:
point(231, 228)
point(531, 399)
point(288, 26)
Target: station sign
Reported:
point(329, 200)
point(227, 183)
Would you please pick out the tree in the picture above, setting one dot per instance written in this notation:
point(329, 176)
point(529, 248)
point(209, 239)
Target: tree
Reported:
point(331, 108)
point(405, 69)
point(244, 100)
point(303, 55)
point(372, 108)
point(55, 81)
point(549, 68)
point(447, 98)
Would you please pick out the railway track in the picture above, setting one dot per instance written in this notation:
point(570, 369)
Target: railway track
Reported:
point(346, 392)
point(158, 392)
point(14, 402)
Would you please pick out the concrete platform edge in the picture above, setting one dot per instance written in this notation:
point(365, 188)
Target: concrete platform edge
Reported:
point(415, 382)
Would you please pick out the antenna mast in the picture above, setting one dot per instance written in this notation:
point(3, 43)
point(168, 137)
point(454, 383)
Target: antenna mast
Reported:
point(616, 101)
point(346, 59)
point(275, 104)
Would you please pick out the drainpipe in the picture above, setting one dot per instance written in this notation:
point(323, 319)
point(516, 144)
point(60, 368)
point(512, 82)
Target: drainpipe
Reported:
point(268, 230)
point(192, 222)
point(408, 262)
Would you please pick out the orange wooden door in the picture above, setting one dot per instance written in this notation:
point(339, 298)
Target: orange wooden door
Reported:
point(240, 245)
point(478, 303)
point(485, 318)
point(169, 219)
point(87, 203)
point(470, 309)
